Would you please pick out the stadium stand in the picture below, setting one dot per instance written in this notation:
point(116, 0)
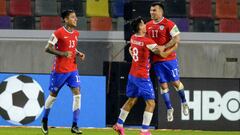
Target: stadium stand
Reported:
point(50, 22)
point(226, 9)
point(203, 25)
point(229, 25)
point(182, 23)
point(118, 8)
point(97, 8)
point(20, 8)
point(82, 23)
point(46, 7)
point(24, 22)
point(5, 22)
point(101, 24)
point(3, 8)
point(75, 5)
point(200, 8)
point(120, 23)
point(175, 8)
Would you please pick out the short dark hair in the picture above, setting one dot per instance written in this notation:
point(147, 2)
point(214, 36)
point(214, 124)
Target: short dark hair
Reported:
point(160, 4)
point(66, 13)
point(135, 24)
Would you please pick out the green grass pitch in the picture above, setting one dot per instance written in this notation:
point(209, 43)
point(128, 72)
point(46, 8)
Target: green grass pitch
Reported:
point(66, 131)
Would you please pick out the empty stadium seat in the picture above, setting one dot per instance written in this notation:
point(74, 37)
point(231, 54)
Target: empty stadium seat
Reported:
point(203, 25)
point(200, 8)
point(101, 24)
point(75, 5)
point(117, 8)
point(182, 23)
point(3, 8)
point(134, 9)
point(120, 23)
point(24, 22)
point(97, 8)
point(229, 25)
point(46, 7)
point(50, 22)
point(82, 23)
point(175, 8)
point(20, 8)
point(226, 9)
point(5, 22)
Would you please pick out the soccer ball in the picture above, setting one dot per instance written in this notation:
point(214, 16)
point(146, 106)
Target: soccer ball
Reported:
point(21, 100)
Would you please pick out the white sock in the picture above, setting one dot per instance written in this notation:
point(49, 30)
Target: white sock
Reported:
point(123, 115)
point(76, 102)
point(49, 102)
point(147, 117)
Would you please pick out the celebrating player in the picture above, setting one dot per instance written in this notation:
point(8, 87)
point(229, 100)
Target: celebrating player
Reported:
point(62, 44)
point(166, 34)
point(139, 83)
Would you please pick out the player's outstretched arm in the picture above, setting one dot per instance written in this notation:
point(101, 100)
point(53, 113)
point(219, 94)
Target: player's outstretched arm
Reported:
point(50, 49)
point(80, 54)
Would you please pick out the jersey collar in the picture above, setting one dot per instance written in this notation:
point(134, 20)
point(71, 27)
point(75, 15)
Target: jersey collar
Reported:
point(67, 30)
point(158, 21)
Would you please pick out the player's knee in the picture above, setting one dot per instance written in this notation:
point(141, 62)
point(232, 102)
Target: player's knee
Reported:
point(164, 90)
point(179, 87)
point(54, 94)
point(131, 102)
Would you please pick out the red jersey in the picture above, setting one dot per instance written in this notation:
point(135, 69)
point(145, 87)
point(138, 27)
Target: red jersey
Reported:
point(140, 51)
point(63, 40)
point(162, 32)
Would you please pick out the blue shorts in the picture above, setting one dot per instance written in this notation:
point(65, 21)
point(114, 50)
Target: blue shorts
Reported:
point(57, 80)
point(140, 87)
point(167, 71)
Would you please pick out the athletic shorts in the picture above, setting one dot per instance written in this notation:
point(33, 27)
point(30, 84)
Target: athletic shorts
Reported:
point(140, 87)
point(167, 71)
point(57, 80)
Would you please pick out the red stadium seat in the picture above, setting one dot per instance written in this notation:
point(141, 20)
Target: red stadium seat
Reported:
point(50, 22)
point(101, 24)
point(20, 8)
point(200, 8)
point(3, 8)
point(229, 25)
point(226, 9)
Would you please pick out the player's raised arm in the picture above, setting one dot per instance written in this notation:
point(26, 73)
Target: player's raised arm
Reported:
point(50, 48)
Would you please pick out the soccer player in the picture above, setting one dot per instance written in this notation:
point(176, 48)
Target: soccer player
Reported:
point(139, 83)
point(62, 44)
point(166, 34)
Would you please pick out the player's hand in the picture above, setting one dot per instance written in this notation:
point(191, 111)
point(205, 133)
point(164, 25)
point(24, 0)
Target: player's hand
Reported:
point(68, 54)
point(130, 51)
point(81, 55)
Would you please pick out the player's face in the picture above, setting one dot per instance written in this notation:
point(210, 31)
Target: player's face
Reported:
point(142, 27)
point(71, 20)
point(156, 12)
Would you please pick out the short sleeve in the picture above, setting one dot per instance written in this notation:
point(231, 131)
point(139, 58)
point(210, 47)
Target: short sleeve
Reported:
point(53, 39)
point(173, 29)
point(150, 44)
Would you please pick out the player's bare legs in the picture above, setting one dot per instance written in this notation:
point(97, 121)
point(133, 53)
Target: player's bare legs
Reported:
point(118, 127)
point(180, 89)
point(147, 117)
point(166, 97)
point(76, 110)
